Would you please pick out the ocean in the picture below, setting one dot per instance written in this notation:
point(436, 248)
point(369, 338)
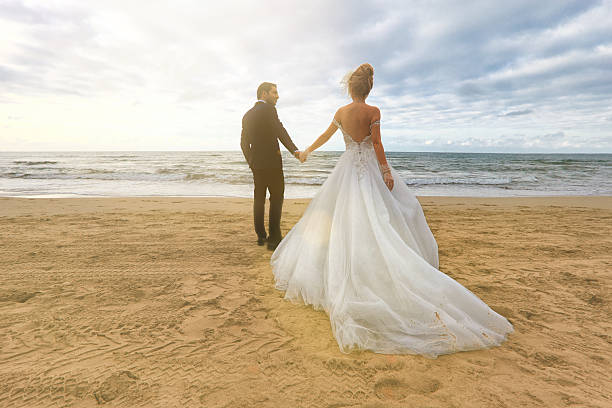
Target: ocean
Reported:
point(226, 174)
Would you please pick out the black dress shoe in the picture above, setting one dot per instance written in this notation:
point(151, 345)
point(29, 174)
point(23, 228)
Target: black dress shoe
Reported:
point(273, 243)
point(261, 241)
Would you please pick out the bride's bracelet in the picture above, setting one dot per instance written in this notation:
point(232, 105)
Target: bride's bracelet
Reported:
point(385, 168)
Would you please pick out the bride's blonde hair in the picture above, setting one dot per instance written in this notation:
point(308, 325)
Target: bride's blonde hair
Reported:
point(359, 82)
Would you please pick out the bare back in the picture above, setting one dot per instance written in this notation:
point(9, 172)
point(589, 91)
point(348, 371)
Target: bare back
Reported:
point(356, 118)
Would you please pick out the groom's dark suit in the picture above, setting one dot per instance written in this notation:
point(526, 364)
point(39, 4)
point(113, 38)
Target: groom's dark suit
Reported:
point(261, 130)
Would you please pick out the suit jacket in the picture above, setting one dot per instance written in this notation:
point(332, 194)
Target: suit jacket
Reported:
point(261, 130)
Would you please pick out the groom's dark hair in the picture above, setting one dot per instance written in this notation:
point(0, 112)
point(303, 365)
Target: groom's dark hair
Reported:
point(264, 87)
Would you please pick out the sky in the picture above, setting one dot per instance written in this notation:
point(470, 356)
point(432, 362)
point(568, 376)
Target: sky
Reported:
point(461, 76)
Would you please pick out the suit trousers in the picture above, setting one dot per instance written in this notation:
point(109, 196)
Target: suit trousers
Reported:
point(271, 180)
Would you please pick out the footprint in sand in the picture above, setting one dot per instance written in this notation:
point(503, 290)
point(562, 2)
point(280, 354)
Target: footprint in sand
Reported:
point(395, 389)
point(16, 295)
point(114, 386)
point(391, 388)
point(504, 311)
point(528, 314)
point(595, 300)
point(549, 359)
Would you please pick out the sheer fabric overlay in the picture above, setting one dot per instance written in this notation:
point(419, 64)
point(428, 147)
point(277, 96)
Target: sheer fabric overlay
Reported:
point(367, 257)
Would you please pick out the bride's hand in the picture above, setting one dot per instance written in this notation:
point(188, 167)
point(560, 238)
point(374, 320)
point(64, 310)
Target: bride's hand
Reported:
point(303, 156)
point(388, 180)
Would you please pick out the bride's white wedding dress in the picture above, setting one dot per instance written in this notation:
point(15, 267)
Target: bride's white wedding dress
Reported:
point(367, 257)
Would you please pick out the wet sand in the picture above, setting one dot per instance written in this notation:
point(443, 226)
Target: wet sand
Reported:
point(169, 302)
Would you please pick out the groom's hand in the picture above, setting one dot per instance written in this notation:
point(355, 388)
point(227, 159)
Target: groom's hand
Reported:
point(297, 154)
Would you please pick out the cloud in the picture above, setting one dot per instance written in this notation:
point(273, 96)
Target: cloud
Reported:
point(454, 70)
point(518, 112)
point(558, 142)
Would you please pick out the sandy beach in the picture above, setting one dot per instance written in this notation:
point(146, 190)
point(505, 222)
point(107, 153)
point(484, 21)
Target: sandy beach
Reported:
point(168, 302)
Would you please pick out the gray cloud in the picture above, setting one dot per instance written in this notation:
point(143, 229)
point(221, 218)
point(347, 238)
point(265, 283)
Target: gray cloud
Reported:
point(558, 142)
point(518, 112)
point(19, 11)
point(6, 74)
point(450, 67)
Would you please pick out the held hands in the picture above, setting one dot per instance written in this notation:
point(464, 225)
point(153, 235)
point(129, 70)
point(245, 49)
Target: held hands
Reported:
point(302, 155)
point(298, 155)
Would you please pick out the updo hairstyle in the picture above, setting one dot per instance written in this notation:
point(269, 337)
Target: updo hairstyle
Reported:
point(361, 80)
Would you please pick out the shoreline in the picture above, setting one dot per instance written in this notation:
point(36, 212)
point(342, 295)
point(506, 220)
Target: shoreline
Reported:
point(8, 204)
point(226, 174)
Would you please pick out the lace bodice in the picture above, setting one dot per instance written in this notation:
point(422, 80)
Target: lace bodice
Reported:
point(352, 143)
point(359, 152)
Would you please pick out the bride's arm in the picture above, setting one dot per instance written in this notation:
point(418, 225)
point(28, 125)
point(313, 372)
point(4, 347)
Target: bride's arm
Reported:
point(380, 151)
point(320, 140)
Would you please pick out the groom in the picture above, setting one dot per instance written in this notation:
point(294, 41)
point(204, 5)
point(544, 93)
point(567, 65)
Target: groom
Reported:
point(261, 130)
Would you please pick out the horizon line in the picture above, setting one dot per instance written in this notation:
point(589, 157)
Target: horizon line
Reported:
point(331, 151)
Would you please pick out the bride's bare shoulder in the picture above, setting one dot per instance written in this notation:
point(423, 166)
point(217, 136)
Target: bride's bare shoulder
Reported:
point(339, 112)
point(374, 111)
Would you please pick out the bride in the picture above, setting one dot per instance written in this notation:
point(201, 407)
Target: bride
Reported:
point(363, 252)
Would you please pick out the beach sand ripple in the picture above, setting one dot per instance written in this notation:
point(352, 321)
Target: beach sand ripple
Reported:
point(138, 302)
